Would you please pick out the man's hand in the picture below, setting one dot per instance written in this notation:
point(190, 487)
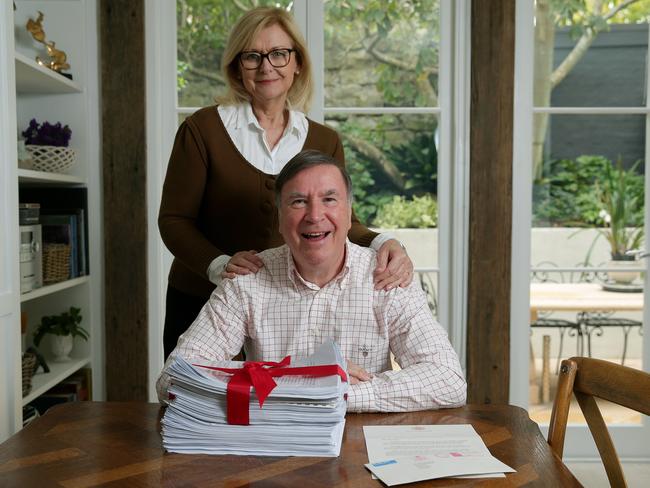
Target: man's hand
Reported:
point(394, 267)
point(357, 374)
point(242, 263)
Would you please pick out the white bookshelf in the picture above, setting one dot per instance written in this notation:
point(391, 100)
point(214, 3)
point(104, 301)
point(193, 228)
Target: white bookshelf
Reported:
point(31, 77)
point(32, 176)
point(29, 90)
point(55, 288)
point(42, 382)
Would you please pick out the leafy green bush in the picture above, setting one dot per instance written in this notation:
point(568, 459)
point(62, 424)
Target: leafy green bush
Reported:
point(409, 145)
point(420, 212)
point(567, 193)
point(367, 200)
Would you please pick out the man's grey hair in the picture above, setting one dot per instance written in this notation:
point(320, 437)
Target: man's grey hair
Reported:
point(309, 158)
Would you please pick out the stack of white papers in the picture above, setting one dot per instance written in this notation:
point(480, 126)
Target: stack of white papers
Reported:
point(408, 453)
point(302, 416)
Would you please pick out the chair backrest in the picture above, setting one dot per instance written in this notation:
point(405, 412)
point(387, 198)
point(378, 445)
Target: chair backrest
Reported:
point(588, 378)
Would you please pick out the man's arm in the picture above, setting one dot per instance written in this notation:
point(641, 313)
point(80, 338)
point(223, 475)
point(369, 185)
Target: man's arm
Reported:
point(217, 334)
point(431, 376)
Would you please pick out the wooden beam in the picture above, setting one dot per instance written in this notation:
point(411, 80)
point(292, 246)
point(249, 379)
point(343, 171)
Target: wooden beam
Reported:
point(125, 190)
point(491, 113)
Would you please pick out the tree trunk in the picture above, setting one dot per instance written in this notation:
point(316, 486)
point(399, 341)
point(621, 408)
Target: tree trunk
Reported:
point(543, 69)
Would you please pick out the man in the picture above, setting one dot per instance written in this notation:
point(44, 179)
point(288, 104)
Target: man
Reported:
point(320, 285)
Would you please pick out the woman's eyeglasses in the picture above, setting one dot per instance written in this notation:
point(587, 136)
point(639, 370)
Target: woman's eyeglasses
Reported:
point(253, 60)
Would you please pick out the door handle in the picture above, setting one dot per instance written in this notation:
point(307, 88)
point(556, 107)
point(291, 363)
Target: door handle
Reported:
point(638, 253)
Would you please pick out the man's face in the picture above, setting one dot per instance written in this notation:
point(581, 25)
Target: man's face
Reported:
point(315, 217)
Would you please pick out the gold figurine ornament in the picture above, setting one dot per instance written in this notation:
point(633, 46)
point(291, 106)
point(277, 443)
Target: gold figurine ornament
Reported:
point(35, 28)
point(58, 58)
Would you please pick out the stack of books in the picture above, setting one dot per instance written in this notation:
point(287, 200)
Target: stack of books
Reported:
point(302, 416)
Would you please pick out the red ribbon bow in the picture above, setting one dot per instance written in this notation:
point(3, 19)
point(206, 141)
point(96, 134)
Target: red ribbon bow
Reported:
point(259, 374)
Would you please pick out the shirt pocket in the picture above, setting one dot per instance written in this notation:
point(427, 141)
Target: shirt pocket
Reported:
point(370, 355)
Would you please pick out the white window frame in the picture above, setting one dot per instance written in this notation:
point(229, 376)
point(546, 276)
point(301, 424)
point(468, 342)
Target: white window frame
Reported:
point(160, 67)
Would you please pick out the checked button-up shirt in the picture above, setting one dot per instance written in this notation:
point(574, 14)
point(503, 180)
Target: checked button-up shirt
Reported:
point(275, 313)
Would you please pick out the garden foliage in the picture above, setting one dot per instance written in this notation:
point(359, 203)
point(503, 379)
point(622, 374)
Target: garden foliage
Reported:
point(568, 193)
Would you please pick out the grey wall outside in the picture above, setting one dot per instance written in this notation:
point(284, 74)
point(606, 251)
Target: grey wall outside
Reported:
point(612, 74)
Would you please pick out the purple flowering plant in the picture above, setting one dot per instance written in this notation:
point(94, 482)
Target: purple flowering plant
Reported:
point(46, 134)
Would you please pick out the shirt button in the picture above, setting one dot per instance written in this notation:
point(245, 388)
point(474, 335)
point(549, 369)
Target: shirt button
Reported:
point(267, 207)
point(270, 184)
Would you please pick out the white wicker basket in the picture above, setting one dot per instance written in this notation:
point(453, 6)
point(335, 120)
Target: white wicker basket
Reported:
point(53, 159)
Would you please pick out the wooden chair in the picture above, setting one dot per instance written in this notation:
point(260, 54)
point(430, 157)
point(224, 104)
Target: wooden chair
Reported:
point(589, 378)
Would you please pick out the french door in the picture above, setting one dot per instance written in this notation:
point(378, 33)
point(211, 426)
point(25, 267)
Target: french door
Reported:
point(572, 120)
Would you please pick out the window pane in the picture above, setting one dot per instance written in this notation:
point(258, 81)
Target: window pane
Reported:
point(181, 117)
point(203, 27)
point(611, 136)
point(393, 162)
point(389, 156)
point(591, 183)
point(571, 71)
point(381, 54)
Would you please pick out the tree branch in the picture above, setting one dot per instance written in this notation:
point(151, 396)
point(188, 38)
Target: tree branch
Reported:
point(376, 157)
point(583, 44)
point(576, 54)
point(422, 80)
point(241, 6)
point(206, 74)
point(618, 8)
point(383, 58)
point(425, 87)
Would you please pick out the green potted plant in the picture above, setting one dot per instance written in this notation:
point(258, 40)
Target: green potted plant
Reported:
point(64, 328)
point(623, 218)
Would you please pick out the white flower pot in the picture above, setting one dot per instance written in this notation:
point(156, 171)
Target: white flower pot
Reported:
point(61, 347)
point(624, 276)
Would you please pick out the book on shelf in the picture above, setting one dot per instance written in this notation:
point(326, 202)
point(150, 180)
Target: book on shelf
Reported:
point(74, 388)
point(64, 208)
point(77, 384)
point(81, 236)
point(29, 413)
point(47, 400)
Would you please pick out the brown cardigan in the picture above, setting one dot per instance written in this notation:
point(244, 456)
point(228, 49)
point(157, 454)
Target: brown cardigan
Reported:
point(215, 202)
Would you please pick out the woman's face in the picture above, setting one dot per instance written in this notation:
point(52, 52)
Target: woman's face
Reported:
point(267, 83)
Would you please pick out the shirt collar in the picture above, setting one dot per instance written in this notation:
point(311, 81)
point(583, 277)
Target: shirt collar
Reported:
point(340, 279)
point(247, 118)
point(297, 123)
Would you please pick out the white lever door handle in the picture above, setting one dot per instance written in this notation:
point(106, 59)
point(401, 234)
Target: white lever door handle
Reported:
point(637, 253)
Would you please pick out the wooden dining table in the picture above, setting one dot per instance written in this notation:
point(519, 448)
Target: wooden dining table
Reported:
point(87, 444)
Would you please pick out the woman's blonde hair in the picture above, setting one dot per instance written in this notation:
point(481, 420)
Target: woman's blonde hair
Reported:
point(242, 36)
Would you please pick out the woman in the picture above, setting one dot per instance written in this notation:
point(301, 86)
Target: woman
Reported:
point(217, 205)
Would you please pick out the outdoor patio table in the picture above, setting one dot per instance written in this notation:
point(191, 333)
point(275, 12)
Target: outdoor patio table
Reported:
point(589, 301)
